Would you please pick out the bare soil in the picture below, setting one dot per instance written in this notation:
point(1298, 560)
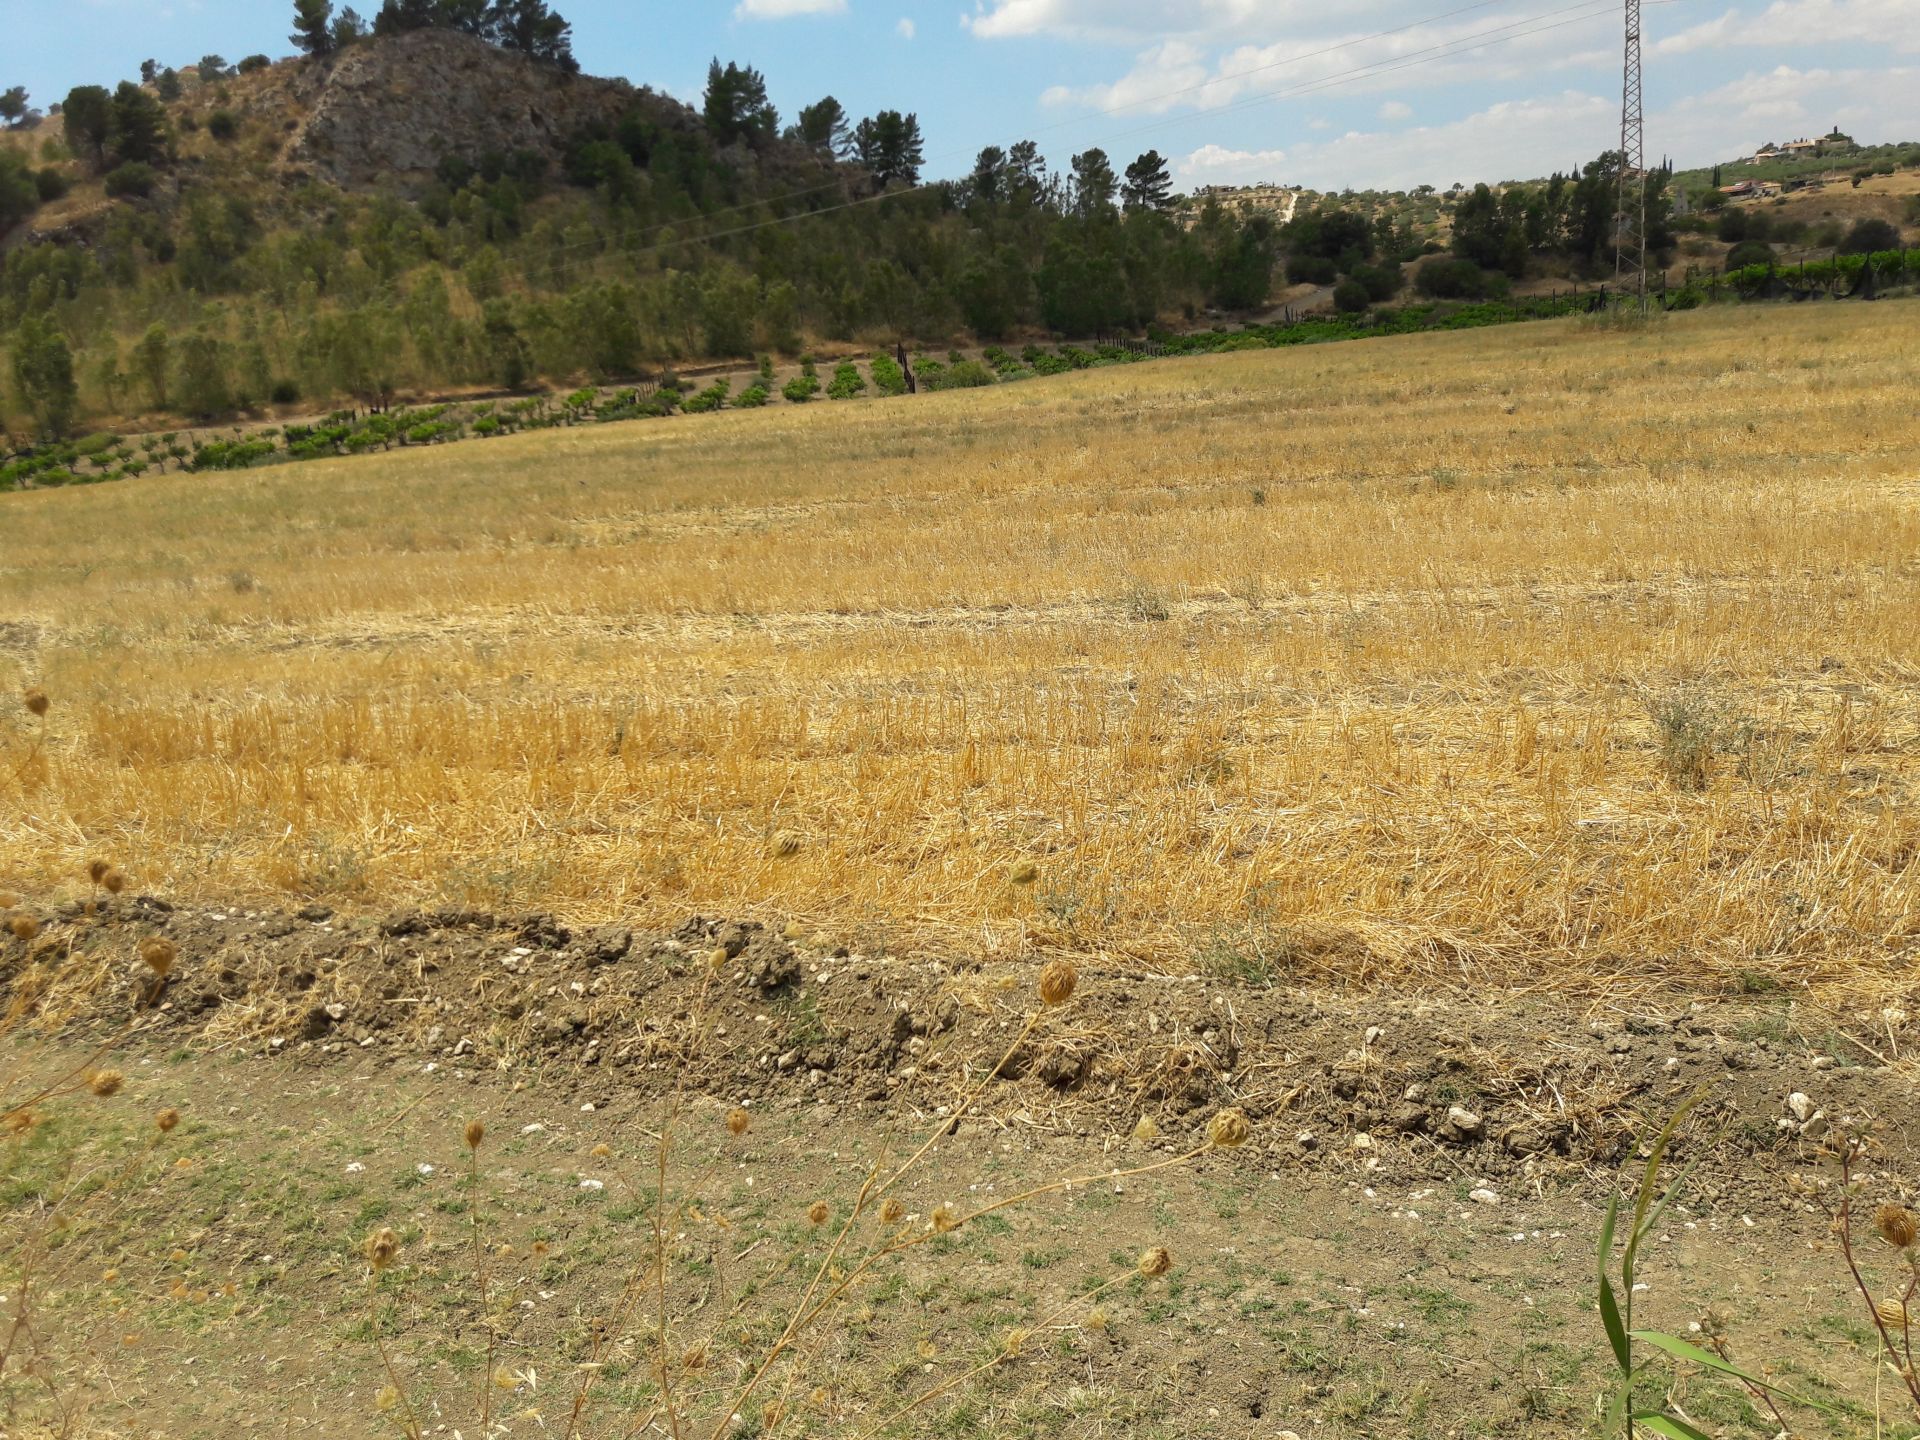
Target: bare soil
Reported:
point(1404, 1248)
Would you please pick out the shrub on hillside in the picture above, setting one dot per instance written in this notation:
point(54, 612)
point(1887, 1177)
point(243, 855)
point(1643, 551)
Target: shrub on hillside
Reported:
point(1867, 236)
point(1454, 280)
point(1749, 252)
point(1350, 297)
point(50, 184)
point(1382, 282)
point(135, 179)
point(1311, 270)
point(223, 125)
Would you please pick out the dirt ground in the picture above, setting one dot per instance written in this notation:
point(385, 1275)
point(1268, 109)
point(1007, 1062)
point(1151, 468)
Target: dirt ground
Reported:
point(1405, 1247)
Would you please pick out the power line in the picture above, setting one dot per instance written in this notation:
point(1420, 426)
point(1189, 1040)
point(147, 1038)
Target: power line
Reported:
point(1630, 238)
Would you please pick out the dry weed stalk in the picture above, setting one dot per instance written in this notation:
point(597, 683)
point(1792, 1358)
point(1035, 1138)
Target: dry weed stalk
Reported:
point(874, 1229)
point(1891, 1314)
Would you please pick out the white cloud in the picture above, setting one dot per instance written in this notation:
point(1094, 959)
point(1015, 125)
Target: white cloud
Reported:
point(1883, 24)
point(1482, 51)
point(1217, 165)
point(1130, 22)
point(1396, 110)
point(783, 9)
point(905, 29)
point(1523, 139)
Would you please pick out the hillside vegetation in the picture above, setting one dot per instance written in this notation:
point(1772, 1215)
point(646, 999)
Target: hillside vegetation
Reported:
point(444, 206)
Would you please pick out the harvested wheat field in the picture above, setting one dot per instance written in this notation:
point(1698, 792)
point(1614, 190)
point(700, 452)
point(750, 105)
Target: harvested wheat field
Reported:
point(1438, 757)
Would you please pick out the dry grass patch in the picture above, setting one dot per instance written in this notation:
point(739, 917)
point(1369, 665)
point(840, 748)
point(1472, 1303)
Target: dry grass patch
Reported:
point(1537, 655)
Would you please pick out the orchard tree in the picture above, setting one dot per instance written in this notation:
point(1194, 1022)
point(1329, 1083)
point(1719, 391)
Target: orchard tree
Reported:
point(1148, 186)
point(312, 27)
point(152, 362)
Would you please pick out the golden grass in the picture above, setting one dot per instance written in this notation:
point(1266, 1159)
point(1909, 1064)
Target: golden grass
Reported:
point(1342, 658)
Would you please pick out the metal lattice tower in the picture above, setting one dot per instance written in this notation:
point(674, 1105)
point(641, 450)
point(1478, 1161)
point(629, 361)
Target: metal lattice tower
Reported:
point(1630, 225)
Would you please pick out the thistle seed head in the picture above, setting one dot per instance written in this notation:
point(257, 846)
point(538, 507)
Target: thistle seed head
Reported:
point(738, 1122)
point(1057, 982)
point(167, 1119)
point(383, 1248)
point(1897, 1225)
point(476, 1132)
point(97, 868)
point(1228, 1130)
point(944, 1219)
point(159, 953)
point(1155, 1262)
point(893, 1212)
point(113, 882)
point(818, 1212)
point(24, 927)
point(1892, 1314)
point(36, 701)
point(106, 1082)
point(1146, 1131)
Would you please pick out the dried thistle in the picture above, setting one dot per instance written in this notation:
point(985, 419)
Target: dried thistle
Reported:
point(1228, 1130)
point(476, 1132)
point(113, 882)
point(167, 1119)
point(36, 701)
point(1057, 982)
point(1015, 1341)
point(106, 1082)
point(893, 1212)
point(382, 1247)
point(1025, 873)
point(601, 1151)
point(943, 1218)
point(717, 958)
point(818, 1212)
point(24, 927)
point(695, 1359)
point(1155, 1262)
point(159, 953)
point(8, 899)
point(96, 869)
point(1146, 1131)
point(738, 1122)
point(1892, 1314)
point(1897, 1225)
point(771, 1414)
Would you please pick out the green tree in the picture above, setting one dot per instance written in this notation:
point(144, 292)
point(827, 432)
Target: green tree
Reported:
point(313, 26)
point(735, 105)
point(890, 146)
point(823, 126)
point(988, 182)
point(152, 362)
point(169, 85)
point(396, 17)
point(1242, 270)
point(87, 116)
point(1864, 237)
point(1148, 186)
point(139, 125)
point(43, 373)
point(1094, 184)
point(212, 68)
point(532, 28)
point(13, 104)
point(149, 71)
point(348, 28)
point(19, 191)
point(200, 383)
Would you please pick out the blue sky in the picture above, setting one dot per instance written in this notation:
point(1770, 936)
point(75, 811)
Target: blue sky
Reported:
point(1325, 93)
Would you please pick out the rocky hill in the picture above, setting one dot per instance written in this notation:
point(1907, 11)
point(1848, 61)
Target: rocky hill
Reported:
point(392, 111)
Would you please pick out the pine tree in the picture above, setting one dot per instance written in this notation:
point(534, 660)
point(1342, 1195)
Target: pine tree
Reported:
point(889, 145)
point(312, 27)
point(1148, 185)
point(735, 106)
point(13, 104)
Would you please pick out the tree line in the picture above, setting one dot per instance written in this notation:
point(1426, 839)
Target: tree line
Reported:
point(667, 235)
